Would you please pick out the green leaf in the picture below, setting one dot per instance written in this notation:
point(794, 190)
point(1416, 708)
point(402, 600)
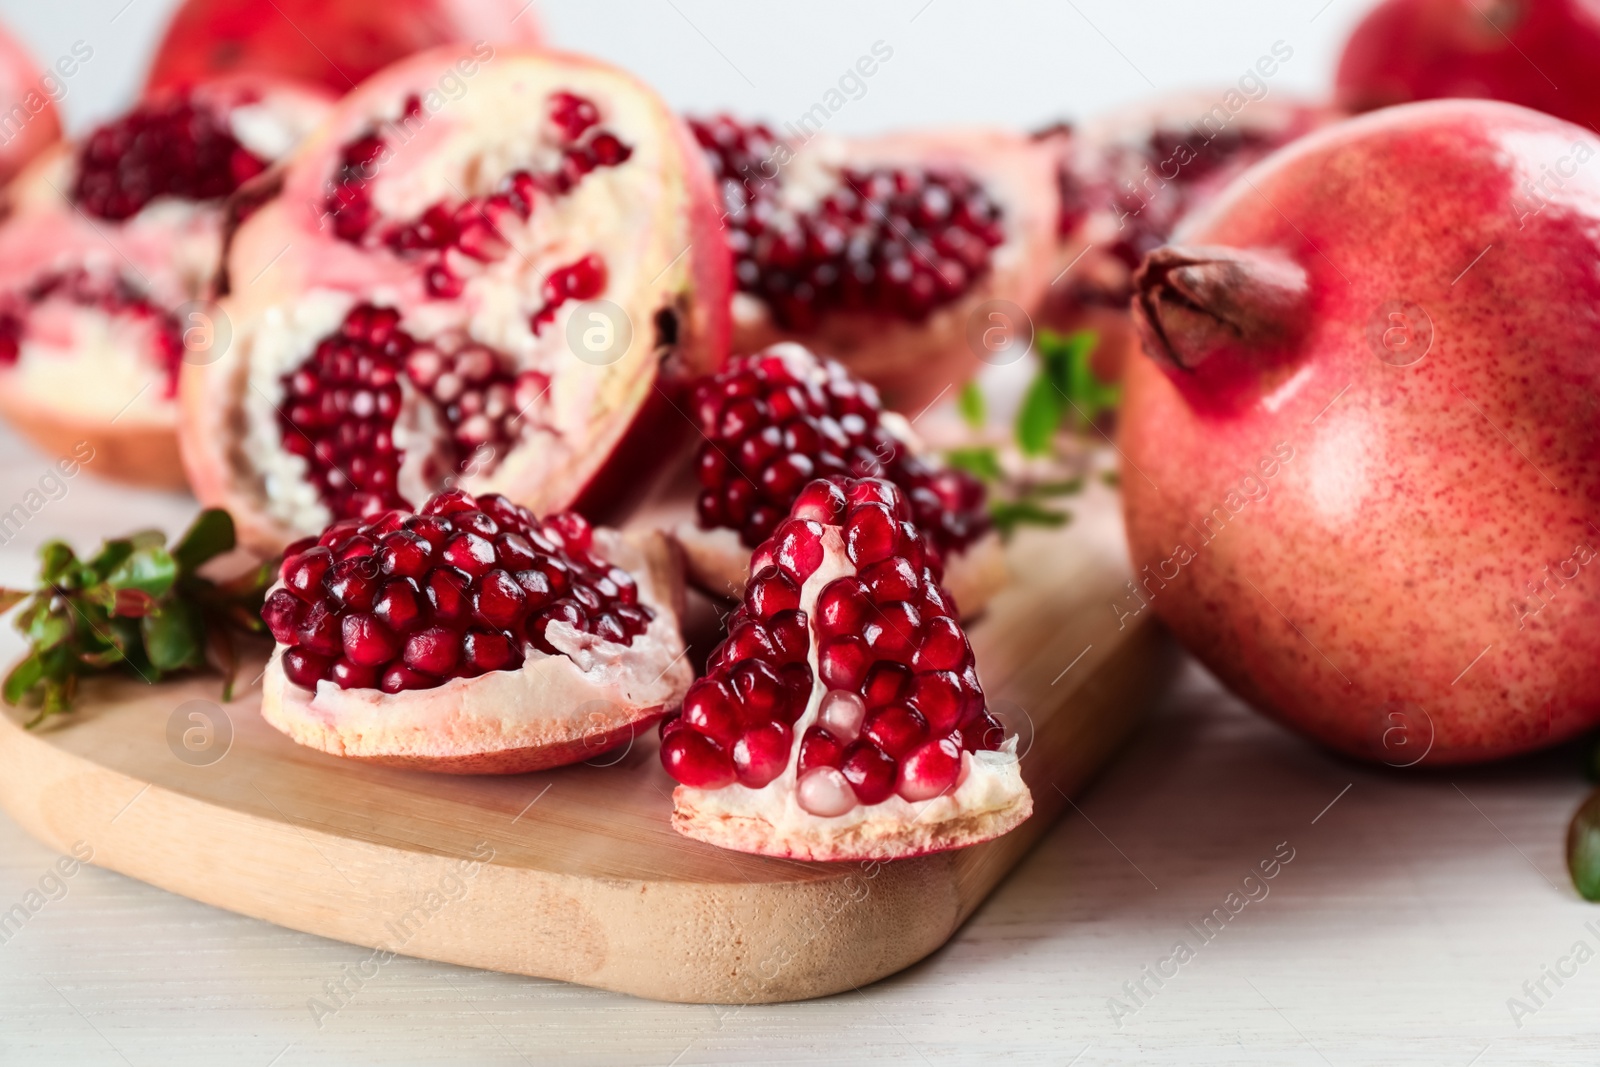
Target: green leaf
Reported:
point(1068, 363)
point(150, 568)
point(1039, 417)
point(110, 557)
point(23, 677)
point(1583, 849)
point(1010, 514)
point(1111, 478)
point(49, 629)
point(55, 558)
point(981, 463)
point(973, 408)
point(1070, 487)
point(209, 537)
point(174, 637)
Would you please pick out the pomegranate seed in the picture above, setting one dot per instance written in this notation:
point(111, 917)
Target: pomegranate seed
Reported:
point(709, 707)
point(825, 791)
point(772, 591)
point(798, 548)
point(789, 636)
point(819, 748)
point(484, 652)
point(399, 678)
point(696, 760)
point(319, 631)
point(842, 713)
point(367, 642)
point(820, 501)
point(303, 574)
point(282, 613)
point(572, 113)
point(891, 579)
point(930, 770)
point(397, 605)
point(886, 683)
point(871, 773)
point(939, 696)
point(405, 554)
point(352, 583)
point(893, 633)
point(842, 663)
point(871, 534)
point(761, 754)
point(984, 732)
point(498, 601)
point(434, 651)
point(896, 729)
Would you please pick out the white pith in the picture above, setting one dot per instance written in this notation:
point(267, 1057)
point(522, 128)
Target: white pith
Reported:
point(989, 781)
point(592, 681)
point(468, 148)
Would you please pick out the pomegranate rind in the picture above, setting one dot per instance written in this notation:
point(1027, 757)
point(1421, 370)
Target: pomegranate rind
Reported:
point(551, 712)
point(615, 425)
point(22, 86)
point(354, 38)
point(103, 383)
point(990, 797)
point(914, 362)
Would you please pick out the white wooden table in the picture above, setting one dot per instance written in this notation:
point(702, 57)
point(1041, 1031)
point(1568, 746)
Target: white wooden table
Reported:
point(1414, 906)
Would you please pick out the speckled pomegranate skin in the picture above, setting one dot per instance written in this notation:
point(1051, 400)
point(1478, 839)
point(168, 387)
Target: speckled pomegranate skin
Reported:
point(1359, 545)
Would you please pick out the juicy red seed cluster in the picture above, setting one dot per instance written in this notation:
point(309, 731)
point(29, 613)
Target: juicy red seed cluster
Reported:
point(774, 420)
point(479, 395)
point(410, 601)
point(901, 241)
point(112, 296)
point(450, 236)
point(584, 279)
point(888, 650)
point(173, 147)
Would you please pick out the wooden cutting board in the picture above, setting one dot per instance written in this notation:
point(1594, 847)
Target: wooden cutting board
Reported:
point(575, 874)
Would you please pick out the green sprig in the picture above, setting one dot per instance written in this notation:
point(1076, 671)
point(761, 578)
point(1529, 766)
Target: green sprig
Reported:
point(136, 605)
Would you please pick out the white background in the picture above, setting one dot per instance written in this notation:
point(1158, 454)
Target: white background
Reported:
point(1415, 906)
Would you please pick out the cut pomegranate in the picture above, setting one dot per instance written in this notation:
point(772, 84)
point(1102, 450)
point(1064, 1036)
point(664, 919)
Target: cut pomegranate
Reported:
point(774, 420)
point(509, 292)
point(105, 244)
point(1129, 178)
point(336, 43)
point(472, 638)
point(878, 251)
point(31, 123)
point(842, 718)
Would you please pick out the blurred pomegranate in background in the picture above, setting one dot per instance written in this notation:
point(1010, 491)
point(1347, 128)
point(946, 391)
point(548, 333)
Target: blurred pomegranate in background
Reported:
point(336, 43)
point(1362, 447)
point(28, 119)
point(1543, 54)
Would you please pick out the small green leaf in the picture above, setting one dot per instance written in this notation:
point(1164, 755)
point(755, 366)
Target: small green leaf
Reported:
point(1039, 417)
point(1070, 487)
point(149, 568)
point(174, 637)
point(1009, 514)
point(23, 677)
point(49, 629)
point(1111, 478)
point(209, 537)
point(973, 407)
point(1583, 849)
point(981, 463)
point(110, 557)
point(55, 558)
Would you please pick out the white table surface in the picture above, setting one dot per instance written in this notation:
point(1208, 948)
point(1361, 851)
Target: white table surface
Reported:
point(1414, 907)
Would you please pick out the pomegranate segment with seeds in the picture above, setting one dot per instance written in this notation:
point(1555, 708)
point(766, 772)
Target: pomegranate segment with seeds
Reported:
point(471, 637)
point(878, 251)
point(842, 717)
point(106, 249)
point(508, 291)
point(773, 421)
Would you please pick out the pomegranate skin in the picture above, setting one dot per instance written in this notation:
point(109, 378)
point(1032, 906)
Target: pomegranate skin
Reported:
point(353, 38)
point(1543, 54)
point(1369, 513)
point(26, 93)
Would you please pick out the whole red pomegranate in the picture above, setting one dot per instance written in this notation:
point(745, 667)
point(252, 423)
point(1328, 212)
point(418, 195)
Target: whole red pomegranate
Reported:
point(1543, 54)
point(337, 43)
point(29, 122)
point(1362, 449)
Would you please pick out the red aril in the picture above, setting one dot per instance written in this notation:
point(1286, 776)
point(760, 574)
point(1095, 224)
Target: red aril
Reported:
point(106, 264)
point(485, 668)
point(1361, 446)
point(478, 291)
point(879, 251)
point(812, 734)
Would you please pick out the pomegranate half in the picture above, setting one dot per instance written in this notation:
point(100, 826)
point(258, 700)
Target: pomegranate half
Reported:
point(473, 638)
point(334, 43)
point(30, 123)
point(107, 257)
point(1543, 54)
point(1129, 177)
point(507, 290)
point(1362, 454)
point(842, 718)
point(879, 251)
point(772, 421)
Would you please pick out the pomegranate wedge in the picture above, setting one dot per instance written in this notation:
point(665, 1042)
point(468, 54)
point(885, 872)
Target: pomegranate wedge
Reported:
point(843, 718)
point(879, 251)
point(107, 258)
point(506, 288)
point(771, 422)
point(472, 638)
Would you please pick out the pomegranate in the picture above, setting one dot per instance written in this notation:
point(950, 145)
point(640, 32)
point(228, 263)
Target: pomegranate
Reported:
point(773, 420)
point(107, 255)
point(1543, 54)
point(334, 43)
point(1128, 178)
point(842, 718)
point(879, 251)
point(1361, 448)
point(472, 638)
point(30, 124)
point(510, 291)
